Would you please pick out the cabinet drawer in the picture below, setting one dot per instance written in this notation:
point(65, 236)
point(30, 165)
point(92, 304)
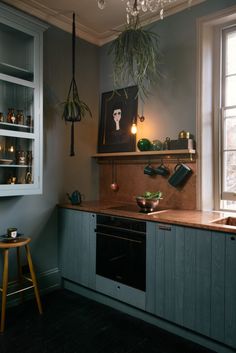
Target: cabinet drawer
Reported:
point(121, 292)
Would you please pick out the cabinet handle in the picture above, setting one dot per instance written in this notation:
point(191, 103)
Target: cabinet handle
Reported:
point(232, 238)
point(164, 227)
point(118, 237)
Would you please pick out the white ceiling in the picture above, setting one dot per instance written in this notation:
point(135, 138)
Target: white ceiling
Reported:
point(92, 24)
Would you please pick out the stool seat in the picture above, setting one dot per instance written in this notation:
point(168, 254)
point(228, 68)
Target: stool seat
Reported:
point(5, 245)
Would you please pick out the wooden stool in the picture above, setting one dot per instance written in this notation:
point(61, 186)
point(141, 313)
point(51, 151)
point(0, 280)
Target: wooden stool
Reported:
point(5, 245)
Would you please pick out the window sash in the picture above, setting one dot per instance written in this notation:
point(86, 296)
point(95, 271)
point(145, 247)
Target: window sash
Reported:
point(228, 115)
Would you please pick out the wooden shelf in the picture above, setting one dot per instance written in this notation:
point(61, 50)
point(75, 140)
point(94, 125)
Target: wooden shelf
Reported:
point(189, 152)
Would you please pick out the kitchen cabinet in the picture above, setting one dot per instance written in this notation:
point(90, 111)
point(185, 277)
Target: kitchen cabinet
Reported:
point(192, 280)
point(77, 246)
point(230, 291)
point(21, 103)
point(190, 273)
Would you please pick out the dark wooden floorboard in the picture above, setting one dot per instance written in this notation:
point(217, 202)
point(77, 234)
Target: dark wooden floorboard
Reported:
point(74, 324)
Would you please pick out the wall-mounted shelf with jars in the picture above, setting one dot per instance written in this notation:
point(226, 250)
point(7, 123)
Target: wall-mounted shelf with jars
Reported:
point(21, 39)
point(164, 154)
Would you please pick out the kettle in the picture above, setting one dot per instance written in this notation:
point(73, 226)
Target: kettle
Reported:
point(75, 197)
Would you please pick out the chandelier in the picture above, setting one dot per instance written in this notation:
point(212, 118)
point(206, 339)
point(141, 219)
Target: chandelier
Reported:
point(134, 7)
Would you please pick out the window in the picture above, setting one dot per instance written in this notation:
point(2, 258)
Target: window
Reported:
point(228, 119)
point(216, 111)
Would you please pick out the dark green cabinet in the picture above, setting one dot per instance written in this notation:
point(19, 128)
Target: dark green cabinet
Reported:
point(77, 246)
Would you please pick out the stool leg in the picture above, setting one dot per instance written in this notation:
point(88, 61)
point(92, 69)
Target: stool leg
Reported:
point(4, 288)
point(33, 277)
point(20, 276)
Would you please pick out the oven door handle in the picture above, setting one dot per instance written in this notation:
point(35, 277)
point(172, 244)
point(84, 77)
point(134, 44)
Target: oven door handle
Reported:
point(119, 237)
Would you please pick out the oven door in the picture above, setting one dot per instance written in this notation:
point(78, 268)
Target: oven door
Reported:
point(121, 256)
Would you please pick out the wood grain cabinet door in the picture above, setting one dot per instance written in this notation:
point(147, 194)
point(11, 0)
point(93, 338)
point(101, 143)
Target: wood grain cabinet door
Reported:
point(183, 276)
point(230, 291)
point(77, 246)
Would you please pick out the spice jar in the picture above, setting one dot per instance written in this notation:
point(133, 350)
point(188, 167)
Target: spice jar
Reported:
point(10, 116)
point(166, 143)
point(29, 157)
point(20, 157)
point(20, 117)
point(29, 120)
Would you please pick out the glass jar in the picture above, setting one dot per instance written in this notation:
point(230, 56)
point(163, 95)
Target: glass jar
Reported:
point(20, 117)
point(11, 116)
point(29, 120)
point(20, 157)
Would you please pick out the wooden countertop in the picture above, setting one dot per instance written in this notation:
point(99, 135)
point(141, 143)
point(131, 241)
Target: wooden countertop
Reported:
point(196, 219)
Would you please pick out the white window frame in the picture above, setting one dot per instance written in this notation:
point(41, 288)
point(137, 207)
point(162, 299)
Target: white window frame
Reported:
point(208, 110)
point(224, 31)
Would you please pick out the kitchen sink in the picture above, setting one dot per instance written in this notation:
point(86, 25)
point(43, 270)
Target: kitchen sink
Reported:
point(229, 221)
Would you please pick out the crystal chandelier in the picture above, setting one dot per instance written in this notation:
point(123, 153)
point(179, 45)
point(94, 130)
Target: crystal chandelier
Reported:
point(134, 7)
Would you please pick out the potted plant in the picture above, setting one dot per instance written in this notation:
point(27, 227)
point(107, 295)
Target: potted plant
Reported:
point(136, 57)
point(74, 108)
point(149, 201)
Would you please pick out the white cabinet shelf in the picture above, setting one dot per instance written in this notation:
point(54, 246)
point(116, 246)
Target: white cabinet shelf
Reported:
point(21, 85)
point(16, 71)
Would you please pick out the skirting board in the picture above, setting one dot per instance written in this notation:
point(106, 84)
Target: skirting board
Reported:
point(165, 325)
point(47, 281)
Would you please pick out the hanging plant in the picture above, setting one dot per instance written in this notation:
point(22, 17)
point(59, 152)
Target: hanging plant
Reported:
point(74, 108)
point(136, 57)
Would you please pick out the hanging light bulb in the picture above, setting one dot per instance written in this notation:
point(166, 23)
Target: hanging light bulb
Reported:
point(133, 128)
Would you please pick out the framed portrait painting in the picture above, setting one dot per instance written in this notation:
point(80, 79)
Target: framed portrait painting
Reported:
point(118, 110)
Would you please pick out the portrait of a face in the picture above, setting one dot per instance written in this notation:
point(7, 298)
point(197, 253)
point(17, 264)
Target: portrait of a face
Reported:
point(117, 116)
point(118, 112)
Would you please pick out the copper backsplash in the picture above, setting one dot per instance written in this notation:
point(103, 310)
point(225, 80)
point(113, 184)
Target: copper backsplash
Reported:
point(132, 181)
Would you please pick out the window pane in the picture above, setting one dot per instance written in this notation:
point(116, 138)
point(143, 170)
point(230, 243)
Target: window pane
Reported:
point(230, 134)
point(230, 113)
point(229, 171)
point(230, 205)
point(231, 53)
point(230, 91)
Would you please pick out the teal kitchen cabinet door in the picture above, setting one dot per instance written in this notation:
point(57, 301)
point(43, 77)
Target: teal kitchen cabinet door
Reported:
point(183, 276)
point(230, 290)
point(169, 262)
point(77, 246)
point(150, 266)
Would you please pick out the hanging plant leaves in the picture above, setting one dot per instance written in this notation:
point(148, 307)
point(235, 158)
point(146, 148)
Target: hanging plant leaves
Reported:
point(74, 108)
point(136, 58)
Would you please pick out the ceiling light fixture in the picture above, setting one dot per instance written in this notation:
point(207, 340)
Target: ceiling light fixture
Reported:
point(134, 7)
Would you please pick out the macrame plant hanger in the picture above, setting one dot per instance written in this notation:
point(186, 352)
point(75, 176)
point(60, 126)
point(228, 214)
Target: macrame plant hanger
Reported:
point(72, 111)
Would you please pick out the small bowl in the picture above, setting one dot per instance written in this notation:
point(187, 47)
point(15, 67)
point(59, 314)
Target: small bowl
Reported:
point(147, 205)
point(6, 161)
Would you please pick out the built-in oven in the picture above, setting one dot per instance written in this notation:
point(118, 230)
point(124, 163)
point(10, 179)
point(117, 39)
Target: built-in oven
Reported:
point(121, 250)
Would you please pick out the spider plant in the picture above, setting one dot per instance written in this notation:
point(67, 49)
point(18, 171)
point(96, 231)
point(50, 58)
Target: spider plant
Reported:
point(74, 108)
point(136, 57)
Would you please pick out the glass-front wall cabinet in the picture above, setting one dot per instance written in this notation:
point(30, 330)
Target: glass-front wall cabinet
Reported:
point(20, 103)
